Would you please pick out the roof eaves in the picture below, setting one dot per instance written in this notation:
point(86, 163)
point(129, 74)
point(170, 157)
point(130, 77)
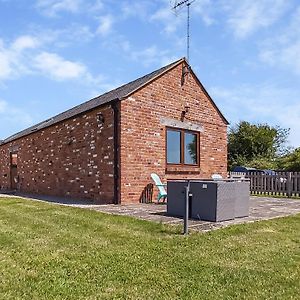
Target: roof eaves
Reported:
point(38, 127)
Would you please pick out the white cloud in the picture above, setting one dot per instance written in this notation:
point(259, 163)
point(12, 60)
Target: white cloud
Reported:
point(5, 64)
point(79, 33)
point(64, 37)
point(205, 8)
point(174, 19)
point(147, 55)
point(264, 103)
point(13, 116)
point(153, 55)
point(168, 18)
point(25, 55)
point(248, 16)
point(125, 45)
point(117, 43)
point(135, 9)
point(105, 25)
point(25, 42)
point(283, 50)
point(95, 6)
point(3, 106)
point(52, 7)
point(58, 68)
point(13, 57)
point(243, 17)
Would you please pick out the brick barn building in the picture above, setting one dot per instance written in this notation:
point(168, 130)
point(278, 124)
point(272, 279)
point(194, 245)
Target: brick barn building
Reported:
point(106, 149)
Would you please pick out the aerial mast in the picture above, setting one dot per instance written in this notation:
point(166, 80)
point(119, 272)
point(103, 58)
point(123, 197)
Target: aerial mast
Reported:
point(179, 5)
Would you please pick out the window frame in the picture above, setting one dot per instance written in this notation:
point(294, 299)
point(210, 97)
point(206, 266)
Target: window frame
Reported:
point(182, 147)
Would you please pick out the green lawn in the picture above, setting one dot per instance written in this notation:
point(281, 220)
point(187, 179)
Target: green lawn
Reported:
point(279, 195)
point(54, 252)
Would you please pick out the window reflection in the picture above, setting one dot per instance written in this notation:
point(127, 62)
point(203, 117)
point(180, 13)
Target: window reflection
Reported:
point(173, 147)
point(190, 148)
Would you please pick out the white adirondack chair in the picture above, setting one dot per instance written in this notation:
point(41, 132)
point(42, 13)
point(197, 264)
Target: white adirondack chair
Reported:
point(161, 187)
point(216, 177)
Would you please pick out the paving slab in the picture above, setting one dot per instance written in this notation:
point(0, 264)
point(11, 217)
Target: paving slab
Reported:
point(261, 208)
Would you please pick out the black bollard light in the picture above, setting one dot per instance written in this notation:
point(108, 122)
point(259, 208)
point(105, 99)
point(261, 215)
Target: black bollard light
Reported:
point(186, 213)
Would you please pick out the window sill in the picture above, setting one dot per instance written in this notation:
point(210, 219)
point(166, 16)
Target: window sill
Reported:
point(183, 170)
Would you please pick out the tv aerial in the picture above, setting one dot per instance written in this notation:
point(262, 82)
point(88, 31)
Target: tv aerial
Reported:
point(178, 6)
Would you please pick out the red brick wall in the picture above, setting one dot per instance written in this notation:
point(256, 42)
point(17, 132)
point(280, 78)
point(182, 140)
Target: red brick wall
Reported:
point(76, 157)
point(73, 158)
point(143, 137)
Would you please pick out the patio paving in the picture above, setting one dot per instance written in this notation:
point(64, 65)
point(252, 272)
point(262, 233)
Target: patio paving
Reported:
point(261, 208)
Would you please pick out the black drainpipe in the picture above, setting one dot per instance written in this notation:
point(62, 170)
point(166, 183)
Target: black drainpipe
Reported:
point(116, 111)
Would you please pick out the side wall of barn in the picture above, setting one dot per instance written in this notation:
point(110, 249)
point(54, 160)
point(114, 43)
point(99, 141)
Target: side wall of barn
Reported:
point(74, 158)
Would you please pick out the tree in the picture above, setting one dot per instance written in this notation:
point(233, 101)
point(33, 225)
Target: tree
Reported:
point(256, 145)
point(291, 161)
point(192, 148)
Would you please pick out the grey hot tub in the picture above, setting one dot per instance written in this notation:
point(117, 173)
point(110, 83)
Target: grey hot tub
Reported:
point(211, 200)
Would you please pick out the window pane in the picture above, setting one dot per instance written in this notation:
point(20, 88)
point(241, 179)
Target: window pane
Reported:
point(190, 148)
point(173, 147)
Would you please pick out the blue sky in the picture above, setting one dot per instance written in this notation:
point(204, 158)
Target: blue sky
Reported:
point(55, 54)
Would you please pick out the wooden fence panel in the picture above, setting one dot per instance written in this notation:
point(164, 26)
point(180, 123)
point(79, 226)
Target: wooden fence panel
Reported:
point(295, 183)
point(283, 183)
